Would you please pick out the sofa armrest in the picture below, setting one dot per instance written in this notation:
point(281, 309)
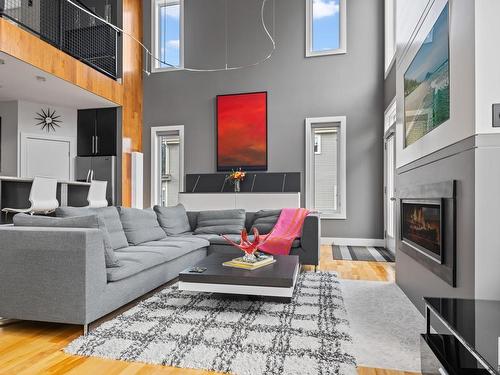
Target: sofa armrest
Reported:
point(311, 239)
point(50, 274)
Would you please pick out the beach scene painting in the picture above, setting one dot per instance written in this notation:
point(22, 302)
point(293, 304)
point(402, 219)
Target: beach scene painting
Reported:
point(427, 83)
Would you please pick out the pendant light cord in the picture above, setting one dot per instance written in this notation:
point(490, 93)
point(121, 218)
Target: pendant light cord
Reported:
point(150, 56)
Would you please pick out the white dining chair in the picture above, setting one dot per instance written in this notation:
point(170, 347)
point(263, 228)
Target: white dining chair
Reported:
point(43, 198)
point(97, 194)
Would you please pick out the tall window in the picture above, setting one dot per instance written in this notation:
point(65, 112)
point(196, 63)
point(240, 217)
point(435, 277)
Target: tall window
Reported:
point(325, 27)
point(326, 166)
point(168, 34)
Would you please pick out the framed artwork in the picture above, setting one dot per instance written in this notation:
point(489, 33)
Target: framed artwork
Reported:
point(427, 83)
point(242, 131)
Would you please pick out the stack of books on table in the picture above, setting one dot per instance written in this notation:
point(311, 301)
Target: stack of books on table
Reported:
point(240, 262)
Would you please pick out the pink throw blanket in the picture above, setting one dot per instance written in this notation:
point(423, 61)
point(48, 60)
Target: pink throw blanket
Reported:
point(286, 230)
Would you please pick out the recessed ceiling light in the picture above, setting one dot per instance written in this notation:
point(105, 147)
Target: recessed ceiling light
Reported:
point(41, 79)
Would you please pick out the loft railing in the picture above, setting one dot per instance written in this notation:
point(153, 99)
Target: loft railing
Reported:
point(68, 28)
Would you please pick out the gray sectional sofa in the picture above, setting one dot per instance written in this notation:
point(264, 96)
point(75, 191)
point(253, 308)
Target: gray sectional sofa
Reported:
point(87, 262)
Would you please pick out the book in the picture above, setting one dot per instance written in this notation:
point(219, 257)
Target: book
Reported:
point(248, 266)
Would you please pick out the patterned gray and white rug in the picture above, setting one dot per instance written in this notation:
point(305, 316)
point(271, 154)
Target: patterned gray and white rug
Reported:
point(241, 336)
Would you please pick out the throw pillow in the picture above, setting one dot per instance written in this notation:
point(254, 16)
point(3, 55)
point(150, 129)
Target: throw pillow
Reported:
point(173, 220)
point(89, 221)
point(220, 222)
point(140, 225)
point(265, 220)
point(109, 216)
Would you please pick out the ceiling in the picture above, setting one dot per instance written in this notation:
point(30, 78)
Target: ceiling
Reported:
point(18, 81)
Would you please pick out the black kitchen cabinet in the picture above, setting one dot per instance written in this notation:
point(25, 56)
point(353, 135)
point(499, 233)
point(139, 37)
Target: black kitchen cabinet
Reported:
point(97, 132)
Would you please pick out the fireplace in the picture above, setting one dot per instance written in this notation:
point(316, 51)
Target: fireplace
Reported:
point(427, 231)
point(422, 226)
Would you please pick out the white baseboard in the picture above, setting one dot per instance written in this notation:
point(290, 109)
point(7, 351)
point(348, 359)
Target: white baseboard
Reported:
point(353, 241)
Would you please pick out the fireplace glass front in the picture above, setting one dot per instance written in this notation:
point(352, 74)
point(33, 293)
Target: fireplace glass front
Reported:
point(422, 226)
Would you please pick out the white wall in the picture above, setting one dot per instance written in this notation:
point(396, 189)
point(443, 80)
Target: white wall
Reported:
point(487, 39)
point(462, 75)
point(27, 111)
point(18, 117)
point(8, 147)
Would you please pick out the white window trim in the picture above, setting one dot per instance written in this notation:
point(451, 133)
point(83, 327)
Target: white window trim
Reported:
point(309, 124)
point(343, 31)
point(155, 39)
point(389, 35)
point(155, 162)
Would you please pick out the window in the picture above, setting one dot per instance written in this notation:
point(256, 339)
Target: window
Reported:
point(325, 27)
point(317, 144)
point(167, 164)
point(168, 34)
point(390, 33)
point(326, 166)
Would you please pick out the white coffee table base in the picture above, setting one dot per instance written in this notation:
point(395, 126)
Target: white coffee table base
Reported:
point(241, 289)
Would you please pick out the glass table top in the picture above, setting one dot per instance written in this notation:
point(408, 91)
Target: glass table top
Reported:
point(476, 321)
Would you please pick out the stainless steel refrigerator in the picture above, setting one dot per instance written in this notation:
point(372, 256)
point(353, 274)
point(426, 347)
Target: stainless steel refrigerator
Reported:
point(101, 168)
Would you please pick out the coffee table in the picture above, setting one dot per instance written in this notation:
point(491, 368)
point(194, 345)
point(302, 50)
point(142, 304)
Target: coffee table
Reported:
point(275, 280)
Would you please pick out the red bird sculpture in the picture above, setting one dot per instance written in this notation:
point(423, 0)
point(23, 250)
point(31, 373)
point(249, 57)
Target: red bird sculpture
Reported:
point(248, 247)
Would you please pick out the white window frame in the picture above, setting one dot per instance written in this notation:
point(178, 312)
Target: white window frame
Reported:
point(309, 31)
point(310, 123)
point(389, 34)
point(155, 68)
point(156, 132)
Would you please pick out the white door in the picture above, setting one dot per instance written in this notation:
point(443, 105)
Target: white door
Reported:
point(46, 157)
point(390, 191)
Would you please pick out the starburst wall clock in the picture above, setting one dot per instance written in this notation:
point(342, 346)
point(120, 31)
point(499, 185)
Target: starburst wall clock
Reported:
point(48, 120)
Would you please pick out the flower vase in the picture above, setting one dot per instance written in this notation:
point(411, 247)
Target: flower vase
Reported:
point(237, 186)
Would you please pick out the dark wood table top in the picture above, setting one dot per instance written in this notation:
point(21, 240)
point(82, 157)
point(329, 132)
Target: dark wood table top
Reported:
point(279, 274)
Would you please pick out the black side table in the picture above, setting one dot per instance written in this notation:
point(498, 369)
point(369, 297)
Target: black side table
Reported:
point(468, 337)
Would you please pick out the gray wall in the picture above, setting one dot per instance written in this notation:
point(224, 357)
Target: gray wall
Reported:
point(8, 146)
point(298, 87)
point(452, 163)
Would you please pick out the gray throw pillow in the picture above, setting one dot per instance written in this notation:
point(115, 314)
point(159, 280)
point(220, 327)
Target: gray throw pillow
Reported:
point(110, 217)
point(265, 220)
point(173, 220)
point(89, 221)
point(140, 225)
point(220, 222)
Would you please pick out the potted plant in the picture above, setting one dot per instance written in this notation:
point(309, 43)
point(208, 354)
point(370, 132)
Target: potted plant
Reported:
point(236, 177)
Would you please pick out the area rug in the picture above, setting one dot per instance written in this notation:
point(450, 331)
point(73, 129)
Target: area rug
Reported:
point(385, 325)
point(362, 253)
point(238, 335)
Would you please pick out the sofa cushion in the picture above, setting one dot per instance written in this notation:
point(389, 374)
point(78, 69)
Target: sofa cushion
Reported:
point(265, 220)
point(140, 225)
point(173, 220)
point(220, 222)
point(109, 216)
point(136, 259)
point(89, 221)
point(237, 238)
point(187, 243)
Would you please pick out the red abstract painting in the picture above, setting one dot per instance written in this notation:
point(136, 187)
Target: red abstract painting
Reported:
point(242, 131)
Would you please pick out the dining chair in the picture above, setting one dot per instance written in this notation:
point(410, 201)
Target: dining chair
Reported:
point(42, 197)
point(97, 194)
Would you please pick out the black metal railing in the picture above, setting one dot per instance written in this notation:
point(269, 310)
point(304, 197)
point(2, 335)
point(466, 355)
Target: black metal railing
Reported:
point(68, 28)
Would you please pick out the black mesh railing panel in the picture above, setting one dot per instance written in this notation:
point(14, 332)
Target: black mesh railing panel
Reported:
point(69, 28)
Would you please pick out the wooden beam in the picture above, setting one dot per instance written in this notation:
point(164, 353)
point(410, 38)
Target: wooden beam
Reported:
point(133, 93)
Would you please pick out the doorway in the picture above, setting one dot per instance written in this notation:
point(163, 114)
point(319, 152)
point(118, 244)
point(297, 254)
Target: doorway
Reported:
point(389, 178)
point(167, 164)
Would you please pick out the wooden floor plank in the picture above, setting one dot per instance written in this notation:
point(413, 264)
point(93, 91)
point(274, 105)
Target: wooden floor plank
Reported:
point(28, 348)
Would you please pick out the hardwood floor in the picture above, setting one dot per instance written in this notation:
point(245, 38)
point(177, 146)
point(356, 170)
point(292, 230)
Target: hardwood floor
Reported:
point(36, 348)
